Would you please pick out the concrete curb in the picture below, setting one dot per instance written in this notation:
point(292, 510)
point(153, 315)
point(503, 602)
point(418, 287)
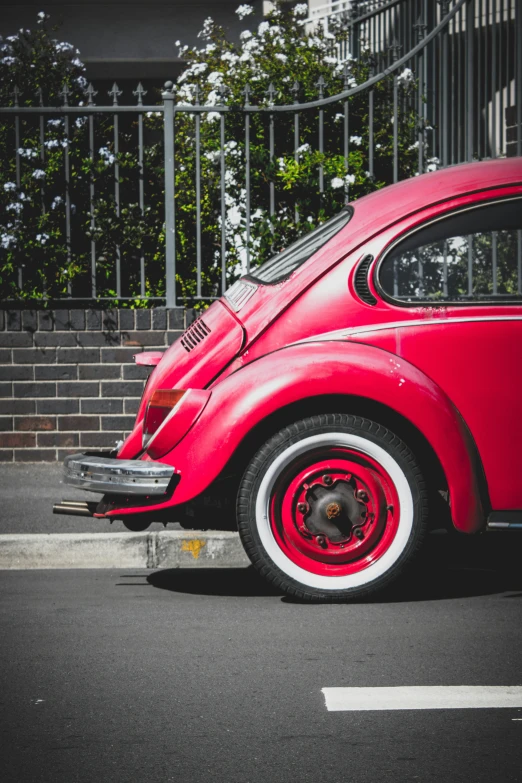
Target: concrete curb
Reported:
point(165, 549)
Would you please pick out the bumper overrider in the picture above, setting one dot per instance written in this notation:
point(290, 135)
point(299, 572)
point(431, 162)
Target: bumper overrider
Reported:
point(112, 476)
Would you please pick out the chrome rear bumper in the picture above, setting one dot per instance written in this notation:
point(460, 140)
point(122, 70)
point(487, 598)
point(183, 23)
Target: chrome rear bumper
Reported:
point(117, 476)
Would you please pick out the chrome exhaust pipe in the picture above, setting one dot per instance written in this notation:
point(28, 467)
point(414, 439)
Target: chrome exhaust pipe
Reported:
point(76, 508)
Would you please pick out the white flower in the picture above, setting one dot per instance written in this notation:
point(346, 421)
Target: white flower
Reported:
point(349, 179)
point(54, 123)
point(195, 70)
point(263, 27)
point(57, 200)
point(301, 9)
point(206, 30)
point(234, 216)
point(251, 45)
point(41, 15)
point(245, 35)
point(14, 207)
point(106, 155)
point(39, 174)
point(414, 146)
point(230, 57)
point(433, 164)
point(212, 98)
point(177, 43)
point(330, 60)
point(42, 238)
point(8, 60)
point(406, 76)
point(281, 163)
point(23, 197)
point(338, 117)
point(81, 81)
point(27, 153)
point(77, 62)
point(6, 240)
point(80, 122)
point(244, 10)
point(8, 186)
point(302, 149)
point(310, 219)
point(63, 46)
point(337, 182)
point(52, 143)
point(280, 56)
point(211, 116)
point(214, 155)
point(215, 78)
point(357, 140)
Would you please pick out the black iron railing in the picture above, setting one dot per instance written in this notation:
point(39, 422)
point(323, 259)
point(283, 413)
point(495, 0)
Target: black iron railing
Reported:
point(462, 59)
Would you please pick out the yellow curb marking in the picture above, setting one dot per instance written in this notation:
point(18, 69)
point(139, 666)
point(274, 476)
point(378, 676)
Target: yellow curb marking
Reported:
point(195, 545)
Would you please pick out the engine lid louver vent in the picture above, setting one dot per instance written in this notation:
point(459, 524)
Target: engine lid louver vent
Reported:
point(194, 335)
point(360, 282)
point(239, 294)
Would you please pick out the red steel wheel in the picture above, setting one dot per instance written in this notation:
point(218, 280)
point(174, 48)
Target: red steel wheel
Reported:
point(332, 507)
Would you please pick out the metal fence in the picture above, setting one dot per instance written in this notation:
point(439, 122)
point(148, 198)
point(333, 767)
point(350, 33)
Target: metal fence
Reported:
point(462, 58)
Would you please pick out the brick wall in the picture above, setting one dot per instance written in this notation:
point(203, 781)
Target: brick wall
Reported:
point(68, 380)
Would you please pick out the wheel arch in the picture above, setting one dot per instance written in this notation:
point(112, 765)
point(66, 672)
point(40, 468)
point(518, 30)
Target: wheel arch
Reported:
point(248, 405)
point(344, 403)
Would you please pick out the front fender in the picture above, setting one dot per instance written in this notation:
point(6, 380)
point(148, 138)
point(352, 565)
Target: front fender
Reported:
point(248, 396)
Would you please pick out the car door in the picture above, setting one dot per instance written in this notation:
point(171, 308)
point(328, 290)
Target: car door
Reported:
point(455, 283)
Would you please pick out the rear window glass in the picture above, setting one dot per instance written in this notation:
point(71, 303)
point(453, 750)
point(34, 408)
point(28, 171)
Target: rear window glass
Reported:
point(472, 255)
point(283, 264)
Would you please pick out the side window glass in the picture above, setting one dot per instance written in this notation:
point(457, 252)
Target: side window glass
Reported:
point(473, 255)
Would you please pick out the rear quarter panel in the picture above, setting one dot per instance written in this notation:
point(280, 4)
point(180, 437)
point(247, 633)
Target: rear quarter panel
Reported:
point(248, 396)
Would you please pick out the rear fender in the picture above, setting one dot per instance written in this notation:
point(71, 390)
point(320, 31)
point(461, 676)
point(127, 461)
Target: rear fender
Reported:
point(244, 399)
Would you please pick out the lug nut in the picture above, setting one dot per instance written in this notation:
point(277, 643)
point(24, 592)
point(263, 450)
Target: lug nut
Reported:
point(362, 495)
point(302, 507)
point(321, 540)
point(327, 480)
point(358, 533)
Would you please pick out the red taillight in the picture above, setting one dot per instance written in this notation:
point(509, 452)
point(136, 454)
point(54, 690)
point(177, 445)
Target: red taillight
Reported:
point(160, 405)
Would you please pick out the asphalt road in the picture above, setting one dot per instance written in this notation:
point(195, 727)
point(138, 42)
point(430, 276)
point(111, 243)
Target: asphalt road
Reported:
point(210, 676)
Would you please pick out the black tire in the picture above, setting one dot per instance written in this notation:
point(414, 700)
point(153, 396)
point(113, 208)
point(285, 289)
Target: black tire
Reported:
point(267, 540)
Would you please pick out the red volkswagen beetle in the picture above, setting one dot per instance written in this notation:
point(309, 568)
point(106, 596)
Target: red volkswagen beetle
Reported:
point(356, 389)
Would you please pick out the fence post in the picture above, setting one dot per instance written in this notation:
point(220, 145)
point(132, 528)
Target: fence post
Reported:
point(170, 219)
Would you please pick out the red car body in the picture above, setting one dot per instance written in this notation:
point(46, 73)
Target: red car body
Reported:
point(444, 376)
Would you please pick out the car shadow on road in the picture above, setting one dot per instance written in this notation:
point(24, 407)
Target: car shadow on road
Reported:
point(451, 566)
point(213, 581)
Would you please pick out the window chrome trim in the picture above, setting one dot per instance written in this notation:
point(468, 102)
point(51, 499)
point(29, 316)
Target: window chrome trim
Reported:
point(442, 302)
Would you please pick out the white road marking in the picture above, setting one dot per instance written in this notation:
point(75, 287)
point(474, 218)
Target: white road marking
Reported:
point(453, 697)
